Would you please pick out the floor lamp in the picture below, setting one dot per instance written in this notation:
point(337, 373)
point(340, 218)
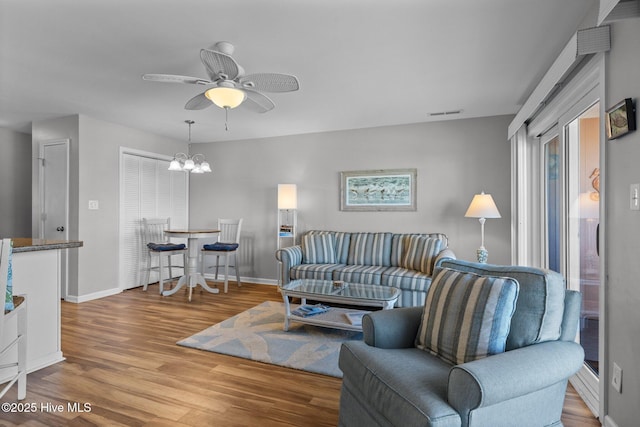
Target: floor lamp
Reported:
point(482, 206)
point(287, 217)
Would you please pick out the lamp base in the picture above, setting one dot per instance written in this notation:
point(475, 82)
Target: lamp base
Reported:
point(482, 255)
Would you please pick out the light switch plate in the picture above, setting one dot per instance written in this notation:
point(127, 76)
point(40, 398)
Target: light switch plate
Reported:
point(634, 197)
point(616, 378)
point(93, 205)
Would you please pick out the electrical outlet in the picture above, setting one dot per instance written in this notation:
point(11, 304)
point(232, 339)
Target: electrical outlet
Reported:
point(616, 378)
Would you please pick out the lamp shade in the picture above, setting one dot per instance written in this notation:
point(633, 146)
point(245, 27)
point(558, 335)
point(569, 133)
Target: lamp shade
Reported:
point(482, 206)
point(175, 165)
point(225, 97)
point(287, 196)
point(189, 165)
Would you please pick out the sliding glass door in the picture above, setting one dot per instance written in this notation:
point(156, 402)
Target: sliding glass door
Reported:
point(570, 154)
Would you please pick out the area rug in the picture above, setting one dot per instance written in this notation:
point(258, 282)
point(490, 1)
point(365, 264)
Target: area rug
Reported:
point(257, 334)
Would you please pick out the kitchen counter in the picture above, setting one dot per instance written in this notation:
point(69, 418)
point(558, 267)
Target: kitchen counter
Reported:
point(37, 275)
point(28, 244)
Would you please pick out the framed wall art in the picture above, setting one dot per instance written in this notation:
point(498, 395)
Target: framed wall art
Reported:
point(621, 119)
point(378, 190)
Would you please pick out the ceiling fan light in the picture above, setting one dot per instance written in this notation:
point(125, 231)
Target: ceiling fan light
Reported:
point(188, 165)
point(175, 165)
point(225, 97)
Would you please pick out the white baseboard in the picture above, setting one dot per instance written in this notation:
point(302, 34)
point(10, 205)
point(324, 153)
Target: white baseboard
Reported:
point(96, 295)
point(256, 280)
point(113, 291)
point(608, 422)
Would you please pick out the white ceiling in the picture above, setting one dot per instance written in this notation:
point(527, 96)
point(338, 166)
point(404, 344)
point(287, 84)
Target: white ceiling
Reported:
point(361, 63)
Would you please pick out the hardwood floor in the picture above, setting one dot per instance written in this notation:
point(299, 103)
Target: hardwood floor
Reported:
point(123, 363)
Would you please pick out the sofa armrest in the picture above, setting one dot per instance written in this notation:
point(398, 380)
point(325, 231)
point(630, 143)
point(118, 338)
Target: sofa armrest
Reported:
point(289, 257)
point(395, 328)
point(444, 255)
point(515, 373)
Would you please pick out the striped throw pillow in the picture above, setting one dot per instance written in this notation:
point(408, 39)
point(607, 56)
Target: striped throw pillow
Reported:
point(419, 253)
point(318, 249)
point(467, 316)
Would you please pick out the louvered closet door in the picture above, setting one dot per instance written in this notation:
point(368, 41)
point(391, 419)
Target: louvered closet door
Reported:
point(148, 190)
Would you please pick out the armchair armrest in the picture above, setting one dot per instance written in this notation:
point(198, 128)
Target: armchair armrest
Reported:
point(512, 374)
point(395, 328)
point(289, 257)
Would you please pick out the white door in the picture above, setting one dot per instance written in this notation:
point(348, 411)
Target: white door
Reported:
point(54, 197)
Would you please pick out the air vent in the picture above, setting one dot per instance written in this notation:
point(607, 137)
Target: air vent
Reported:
point(445, 113)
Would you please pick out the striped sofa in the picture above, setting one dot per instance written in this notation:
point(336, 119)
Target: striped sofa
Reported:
point(404, 261)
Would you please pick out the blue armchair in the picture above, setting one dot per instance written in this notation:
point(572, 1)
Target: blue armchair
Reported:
point(388, 381)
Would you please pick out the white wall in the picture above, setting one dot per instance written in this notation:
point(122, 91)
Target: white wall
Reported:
point(94, 170)
point(455, 160)
point(15, 184)
point(622, 232)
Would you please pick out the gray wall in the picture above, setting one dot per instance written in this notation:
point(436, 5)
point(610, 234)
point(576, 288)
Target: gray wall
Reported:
point(94, 175)
point(15, 184)
point(622, 232)
point(455, 160)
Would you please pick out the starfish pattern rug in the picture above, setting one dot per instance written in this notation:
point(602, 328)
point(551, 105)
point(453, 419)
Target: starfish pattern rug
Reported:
point(257, 334)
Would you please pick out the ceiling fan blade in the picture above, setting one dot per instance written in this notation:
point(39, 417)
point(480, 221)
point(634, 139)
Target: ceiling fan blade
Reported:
point(270, 82)
point(198, 102)
point(219, 65)
point(257, 102)
point(171, 78)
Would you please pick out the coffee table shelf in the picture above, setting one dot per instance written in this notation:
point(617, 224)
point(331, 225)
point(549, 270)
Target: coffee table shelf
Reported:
point(326, 291)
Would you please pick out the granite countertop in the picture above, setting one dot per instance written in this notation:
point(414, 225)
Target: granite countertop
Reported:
point(28, 244)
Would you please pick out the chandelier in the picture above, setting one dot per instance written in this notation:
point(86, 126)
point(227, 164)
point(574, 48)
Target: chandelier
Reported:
point(185, 163)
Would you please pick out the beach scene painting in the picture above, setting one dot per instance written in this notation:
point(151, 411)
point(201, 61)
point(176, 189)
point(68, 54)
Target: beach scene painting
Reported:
point(378, 190)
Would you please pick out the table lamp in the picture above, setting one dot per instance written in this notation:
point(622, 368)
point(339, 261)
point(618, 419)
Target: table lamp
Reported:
point(482, 206)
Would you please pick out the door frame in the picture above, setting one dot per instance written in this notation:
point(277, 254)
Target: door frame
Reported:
point(64, 259)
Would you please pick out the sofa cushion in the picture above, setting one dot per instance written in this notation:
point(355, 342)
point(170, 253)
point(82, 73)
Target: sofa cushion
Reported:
point(367, 274)
point(540, 307)
point(405, 279)
point(419, 253)
point(313, 271)
point(467, 316)
point(406, 387)
point(318, 249)
point(370, 249)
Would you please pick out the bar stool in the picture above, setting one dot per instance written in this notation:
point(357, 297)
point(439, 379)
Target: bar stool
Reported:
point(227, 247)
point(158, 245)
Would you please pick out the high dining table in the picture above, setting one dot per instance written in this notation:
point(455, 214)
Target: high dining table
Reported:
point(192, 276)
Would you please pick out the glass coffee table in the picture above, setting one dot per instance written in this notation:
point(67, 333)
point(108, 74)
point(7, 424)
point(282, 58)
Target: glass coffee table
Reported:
point(344, 293)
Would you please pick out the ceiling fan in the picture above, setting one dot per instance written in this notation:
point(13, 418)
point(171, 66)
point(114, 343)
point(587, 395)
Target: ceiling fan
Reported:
point(229, 86)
